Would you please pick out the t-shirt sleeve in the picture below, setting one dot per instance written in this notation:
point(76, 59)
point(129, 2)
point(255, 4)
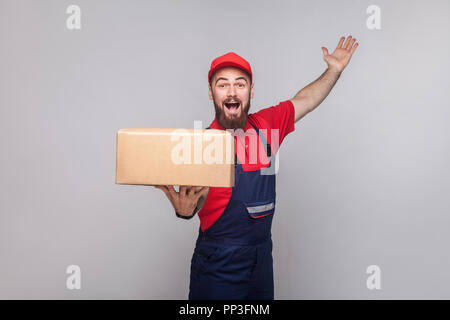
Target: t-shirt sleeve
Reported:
point(279, 117)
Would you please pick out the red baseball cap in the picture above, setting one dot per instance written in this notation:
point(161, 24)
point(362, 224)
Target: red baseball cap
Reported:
point(230, 59)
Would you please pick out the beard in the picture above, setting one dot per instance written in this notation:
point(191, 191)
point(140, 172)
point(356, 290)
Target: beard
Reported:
point(234, 122)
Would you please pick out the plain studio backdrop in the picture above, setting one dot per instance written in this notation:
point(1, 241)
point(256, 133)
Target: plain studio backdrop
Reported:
point(363, 179)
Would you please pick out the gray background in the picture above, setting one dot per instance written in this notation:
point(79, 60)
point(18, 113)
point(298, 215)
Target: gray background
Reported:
point(364, 179)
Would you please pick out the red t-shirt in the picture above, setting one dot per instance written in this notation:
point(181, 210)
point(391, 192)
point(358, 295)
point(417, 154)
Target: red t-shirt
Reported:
point(280, 118)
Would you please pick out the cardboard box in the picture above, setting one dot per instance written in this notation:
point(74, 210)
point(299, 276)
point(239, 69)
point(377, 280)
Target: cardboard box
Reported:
point(164, 156)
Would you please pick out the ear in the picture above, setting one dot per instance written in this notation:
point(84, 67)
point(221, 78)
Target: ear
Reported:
point(252, 92)
point(210, 92)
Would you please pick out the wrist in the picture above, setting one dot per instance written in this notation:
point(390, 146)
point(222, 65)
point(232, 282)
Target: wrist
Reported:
point(183, 216)
point(335, 70)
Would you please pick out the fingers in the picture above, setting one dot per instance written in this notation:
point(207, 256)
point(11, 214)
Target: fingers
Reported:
point(346, 43)
point(197, 189)
point(350, 45)
point(353, 42)
point(165, 189)
point(191, 190)
point(183, 191)
point(161, 188)
point(341, 41)
point(203, 191)
point(173, 193)
point(194, 191)
point(354, 48)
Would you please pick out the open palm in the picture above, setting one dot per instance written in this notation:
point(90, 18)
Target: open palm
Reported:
point(339, 59)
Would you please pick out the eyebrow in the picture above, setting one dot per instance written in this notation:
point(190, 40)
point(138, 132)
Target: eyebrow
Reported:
point(238, 78)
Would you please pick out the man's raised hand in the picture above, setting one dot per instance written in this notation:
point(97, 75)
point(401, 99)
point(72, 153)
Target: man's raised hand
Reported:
point(339, 59)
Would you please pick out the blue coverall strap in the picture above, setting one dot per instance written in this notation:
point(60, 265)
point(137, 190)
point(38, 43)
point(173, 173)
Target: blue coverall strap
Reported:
point(264, 140)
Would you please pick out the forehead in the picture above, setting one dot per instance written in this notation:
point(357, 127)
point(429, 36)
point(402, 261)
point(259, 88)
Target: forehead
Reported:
point(230, 73)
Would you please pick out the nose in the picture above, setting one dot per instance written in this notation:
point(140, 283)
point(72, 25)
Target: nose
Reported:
point(231, 91)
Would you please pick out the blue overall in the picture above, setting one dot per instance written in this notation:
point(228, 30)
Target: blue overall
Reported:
point(233, 258)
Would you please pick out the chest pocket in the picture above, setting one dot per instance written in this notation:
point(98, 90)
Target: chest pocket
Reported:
point(259, 209)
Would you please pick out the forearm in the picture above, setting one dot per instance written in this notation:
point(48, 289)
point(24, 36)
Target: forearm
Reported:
point(318, 90)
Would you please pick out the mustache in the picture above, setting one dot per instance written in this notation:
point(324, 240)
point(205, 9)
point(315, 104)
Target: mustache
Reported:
point(232, 100)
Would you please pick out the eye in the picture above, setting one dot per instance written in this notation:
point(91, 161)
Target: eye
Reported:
point(241, 85)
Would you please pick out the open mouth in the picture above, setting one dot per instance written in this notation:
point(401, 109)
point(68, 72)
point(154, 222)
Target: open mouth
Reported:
point(232, 107)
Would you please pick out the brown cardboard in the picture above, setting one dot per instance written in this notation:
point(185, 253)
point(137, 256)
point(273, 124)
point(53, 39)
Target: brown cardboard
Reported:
point(160, 156)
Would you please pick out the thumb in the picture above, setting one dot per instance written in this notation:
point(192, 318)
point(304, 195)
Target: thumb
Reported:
point(203, 191)
point(325, 51)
